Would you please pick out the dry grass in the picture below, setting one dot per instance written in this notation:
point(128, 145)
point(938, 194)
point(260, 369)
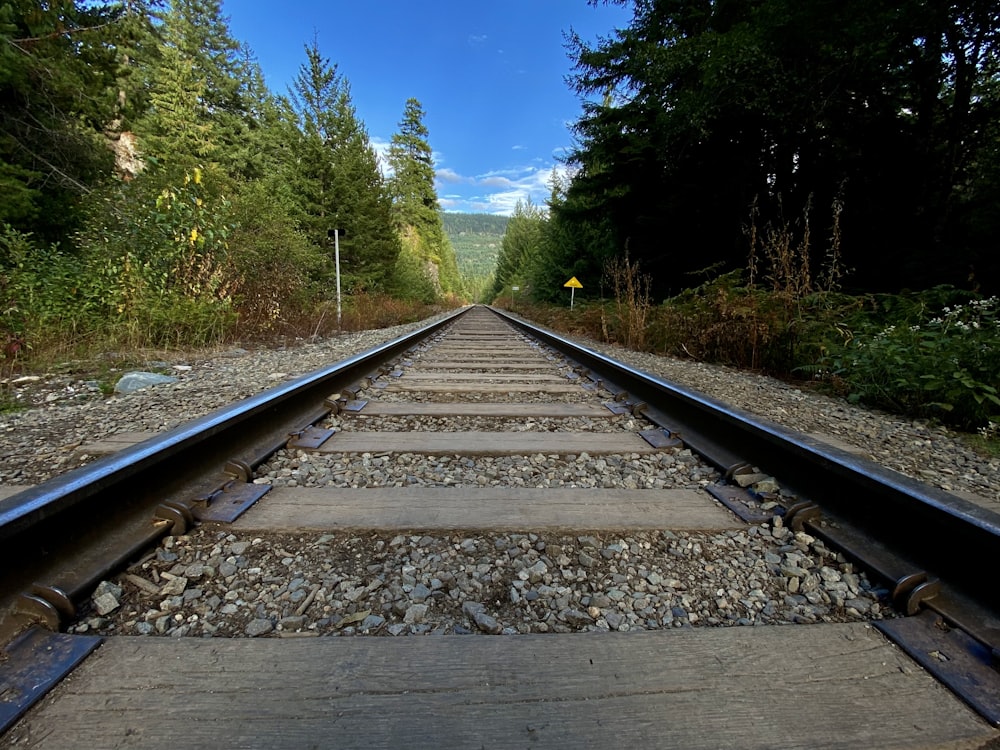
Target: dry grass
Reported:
point(632, 301)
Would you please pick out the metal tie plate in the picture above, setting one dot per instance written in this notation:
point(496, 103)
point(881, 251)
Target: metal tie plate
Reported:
point(952, 656)
point(32, 665)
point(231, 503)
point(311, 437)
point(659, 438)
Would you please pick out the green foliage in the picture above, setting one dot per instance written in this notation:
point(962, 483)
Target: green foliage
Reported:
point(41, 285)
point(56, 84)
point(411, 278)
point(337, 177)
point(573, 243)
point(460, 225)
point(277, 265)
point(696, 109)
point(946, 366)
point(158, 265)
point(521, 243)
point(198, 93)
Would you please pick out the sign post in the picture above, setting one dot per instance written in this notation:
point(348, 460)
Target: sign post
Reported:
point(512, 290)
point(336, 234)
point(336, 255)
point(573, 285)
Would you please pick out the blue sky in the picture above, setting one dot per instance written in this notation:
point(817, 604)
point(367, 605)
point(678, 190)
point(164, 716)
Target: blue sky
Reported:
point(489, 74)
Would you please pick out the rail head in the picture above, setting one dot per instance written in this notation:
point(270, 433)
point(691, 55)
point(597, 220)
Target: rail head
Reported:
point(938, 530)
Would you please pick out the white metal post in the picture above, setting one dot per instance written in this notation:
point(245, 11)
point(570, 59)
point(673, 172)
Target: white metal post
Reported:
point(336, 255)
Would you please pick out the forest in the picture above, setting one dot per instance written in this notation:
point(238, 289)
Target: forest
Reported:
point(476, 239)
point(154, 192)
point(809, 189)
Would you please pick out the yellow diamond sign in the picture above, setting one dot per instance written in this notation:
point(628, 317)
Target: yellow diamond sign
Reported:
point(573, 284)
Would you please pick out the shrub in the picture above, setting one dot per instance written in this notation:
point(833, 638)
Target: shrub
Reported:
point(157, 258)
point(277, 264)
point(946, 366)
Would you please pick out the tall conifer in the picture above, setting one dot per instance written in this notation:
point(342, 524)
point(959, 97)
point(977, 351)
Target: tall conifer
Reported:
point(415, 201)
point(338, 179)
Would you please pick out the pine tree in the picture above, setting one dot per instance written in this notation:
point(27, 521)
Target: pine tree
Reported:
point(520, 246)
point(198, 88)
point(412, 163)
point(56, 74)
point(415, 202)
point(338, 180)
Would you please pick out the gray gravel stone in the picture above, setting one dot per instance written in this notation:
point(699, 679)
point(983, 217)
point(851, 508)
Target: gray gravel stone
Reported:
point(487, 624)
point(259, 626)
point(415, 614)
point(135, 381)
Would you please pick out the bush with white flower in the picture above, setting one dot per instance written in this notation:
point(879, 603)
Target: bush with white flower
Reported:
point(945, 366)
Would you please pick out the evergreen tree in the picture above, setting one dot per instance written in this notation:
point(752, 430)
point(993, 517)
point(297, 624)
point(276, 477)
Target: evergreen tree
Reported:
point(338, 180)
point(521, 245)
point(412, 163)
point(198, 89)
point(569, 246)
point(415, 201)
point(57, 72)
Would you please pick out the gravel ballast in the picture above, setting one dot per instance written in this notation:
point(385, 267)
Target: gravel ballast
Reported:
point(213, 583)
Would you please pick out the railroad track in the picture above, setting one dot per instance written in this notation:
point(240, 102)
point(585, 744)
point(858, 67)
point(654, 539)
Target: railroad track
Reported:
point(570, 529)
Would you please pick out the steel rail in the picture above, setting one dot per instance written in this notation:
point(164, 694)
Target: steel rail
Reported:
point(938, 552)
point(59, 538)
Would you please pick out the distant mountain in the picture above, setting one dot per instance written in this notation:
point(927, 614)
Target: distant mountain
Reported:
point(476, 239)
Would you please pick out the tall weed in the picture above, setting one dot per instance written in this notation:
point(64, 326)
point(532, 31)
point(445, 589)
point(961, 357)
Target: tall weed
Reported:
point(631, 299)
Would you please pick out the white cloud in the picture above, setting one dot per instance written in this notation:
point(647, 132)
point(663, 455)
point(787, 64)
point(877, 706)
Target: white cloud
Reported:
point(498, 191)
point(496, 181)
point(518, 147)
point(450, 176)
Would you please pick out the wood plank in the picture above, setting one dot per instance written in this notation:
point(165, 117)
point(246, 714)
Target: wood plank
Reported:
point(499, 508)
point(460, 360)
point(486, 443)
point(490, 364)
point(478, 409)
point(486, 388)
point(496, 352)
point(838, 443)
point(990, 503)
point(421, 376)
point(454, 336)
point(8, 490)
point(830, 686)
